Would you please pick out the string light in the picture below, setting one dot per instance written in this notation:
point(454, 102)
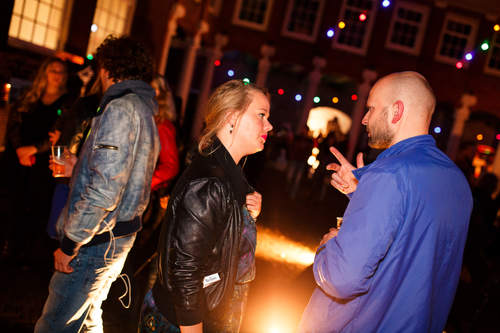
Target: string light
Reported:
point(316, 99)
point(437, 129)
point(246, 81)
point(496, 27)
point(330, 33)
point(362, 17)
point(298, 97)
point(94, 27)
point(335, 100)
point(497, 137)
point(459, 65)
point(341, 24)
point(230, 73)
point(469, 56)
point(485, 45)
point(281, 91)
point(354, 97)
point(217, 63)
point(479, 137)
point(386, 3)
point(90, 56)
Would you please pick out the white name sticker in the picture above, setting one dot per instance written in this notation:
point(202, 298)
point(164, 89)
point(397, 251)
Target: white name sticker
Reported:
point(210, 279)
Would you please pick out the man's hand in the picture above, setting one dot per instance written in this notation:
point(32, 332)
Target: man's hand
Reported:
point(254, 204)
point(343, 179)
point(61, 262)
point(326, 237)
point(26, 155)
point(69, 164)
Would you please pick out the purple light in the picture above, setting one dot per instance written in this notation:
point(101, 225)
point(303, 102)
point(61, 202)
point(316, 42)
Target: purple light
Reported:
point(330, 33)
point(230, 73)
point(386, 3)
point(437, 129)
point(469, 56)
point(298, 97)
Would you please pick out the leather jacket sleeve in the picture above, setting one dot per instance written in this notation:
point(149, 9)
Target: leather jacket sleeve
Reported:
point(198, 213)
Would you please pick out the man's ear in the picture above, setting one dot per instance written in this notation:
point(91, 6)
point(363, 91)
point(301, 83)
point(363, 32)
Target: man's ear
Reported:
point(397, 111)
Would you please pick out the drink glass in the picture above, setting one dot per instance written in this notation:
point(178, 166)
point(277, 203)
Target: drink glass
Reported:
point(59, 154)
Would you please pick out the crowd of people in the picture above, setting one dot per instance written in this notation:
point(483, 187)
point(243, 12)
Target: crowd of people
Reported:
point(405, 232)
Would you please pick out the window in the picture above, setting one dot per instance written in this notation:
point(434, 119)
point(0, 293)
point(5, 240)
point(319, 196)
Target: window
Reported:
point(355, 36)
point(493, 59)
point(302, 19)
point(456, 39)
point(110, 17)
point(38, 22)
point(252, 13)
point(407, 27)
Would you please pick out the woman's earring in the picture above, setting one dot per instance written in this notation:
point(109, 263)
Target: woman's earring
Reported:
point(231, 129)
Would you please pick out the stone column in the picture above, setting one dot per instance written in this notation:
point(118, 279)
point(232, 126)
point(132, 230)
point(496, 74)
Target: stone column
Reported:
point(178, 11)
point(267, 51)
point(461, 116)
point(358, 111)
point(188, 67)
point(213, 54)
point(314, 79)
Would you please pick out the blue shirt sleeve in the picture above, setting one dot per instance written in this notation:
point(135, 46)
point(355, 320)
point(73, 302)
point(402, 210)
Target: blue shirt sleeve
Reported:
point(344, 267)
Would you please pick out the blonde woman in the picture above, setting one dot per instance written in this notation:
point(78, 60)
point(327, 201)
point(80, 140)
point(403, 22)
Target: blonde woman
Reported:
point(207, 243)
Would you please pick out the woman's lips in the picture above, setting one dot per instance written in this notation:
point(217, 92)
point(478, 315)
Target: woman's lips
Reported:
point(264, 137)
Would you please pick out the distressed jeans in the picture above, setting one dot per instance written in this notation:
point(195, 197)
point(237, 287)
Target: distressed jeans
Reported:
point(74, 301)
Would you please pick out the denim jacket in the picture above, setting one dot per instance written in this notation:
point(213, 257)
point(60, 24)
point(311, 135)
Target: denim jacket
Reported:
point(111, 181)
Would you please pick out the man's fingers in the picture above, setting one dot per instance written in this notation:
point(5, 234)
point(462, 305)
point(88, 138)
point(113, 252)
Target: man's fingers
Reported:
point(333, 166)
point(359, 160)
point(338, 155)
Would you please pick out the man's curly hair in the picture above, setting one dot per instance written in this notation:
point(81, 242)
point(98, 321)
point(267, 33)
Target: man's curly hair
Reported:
point(125, 59)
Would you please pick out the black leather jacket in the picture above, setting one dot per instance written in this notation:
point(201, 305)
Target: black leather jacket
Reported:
point(200, 236)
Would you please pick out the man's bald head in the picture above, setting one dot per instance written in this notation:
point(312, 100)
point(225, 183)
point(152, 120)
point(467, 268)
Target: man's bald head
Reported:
point(400, 106)
point(413, 89)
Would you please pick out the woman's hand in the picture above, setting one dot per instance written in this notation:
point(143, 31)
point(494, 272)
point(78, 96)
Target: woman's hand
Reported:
point(54, 137)
point(26, 155)
point(254, 204)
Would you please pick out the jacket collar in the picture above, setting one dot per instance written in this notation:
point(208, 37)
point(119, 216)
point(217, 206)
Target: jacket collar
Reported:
point(140, 88)
point(234, 172)
point(397, 149)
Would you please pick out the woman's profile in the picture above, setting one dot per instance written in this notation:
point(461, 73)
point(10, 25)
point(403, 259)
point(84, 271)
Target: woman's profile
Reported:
point(207, 243)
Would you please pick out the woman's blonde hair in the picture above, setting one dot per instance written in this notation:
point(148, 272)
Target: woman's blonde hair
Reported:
point(166, 106)
point(40, 84)
point(229, 98)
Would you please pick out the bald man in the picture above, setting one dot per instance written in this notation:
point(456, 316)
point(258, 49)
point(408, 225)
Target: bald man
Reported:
point(395, 264)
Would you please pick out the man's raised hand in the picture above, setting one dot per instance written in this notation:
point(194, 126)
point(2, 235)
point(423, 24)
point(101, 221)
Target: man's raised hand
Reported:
point(342, 178)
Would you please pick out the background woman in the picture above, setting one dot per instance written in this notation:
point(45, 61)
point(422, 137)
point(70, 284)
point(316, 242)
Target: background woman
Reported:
point(207, 243)
point(28, 136)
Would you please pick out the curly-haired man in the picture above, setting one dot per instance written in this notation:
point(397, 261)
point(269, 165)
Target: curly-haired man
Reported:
point(110, 188)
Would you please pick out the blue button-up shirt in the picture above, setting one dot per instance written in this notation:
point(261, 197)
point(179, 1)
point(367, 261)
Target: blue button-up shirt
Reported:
point(395, 264)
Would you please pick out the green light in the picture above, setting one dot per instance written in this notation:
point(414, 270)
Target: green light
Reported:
point(485, 46)
point(90, 56)
point(246, 81)
point(59, 112)
point(316, 99)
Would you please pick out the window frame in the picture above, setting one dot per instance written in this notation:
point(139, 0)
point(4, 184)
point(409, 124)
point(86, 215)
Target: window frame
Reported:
point(369, 29)
point(488, 69)
point(127, 24)
point(422, 26)
point(300, 36)
point(42, 49)
point(252, 25)
point(474, 23)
